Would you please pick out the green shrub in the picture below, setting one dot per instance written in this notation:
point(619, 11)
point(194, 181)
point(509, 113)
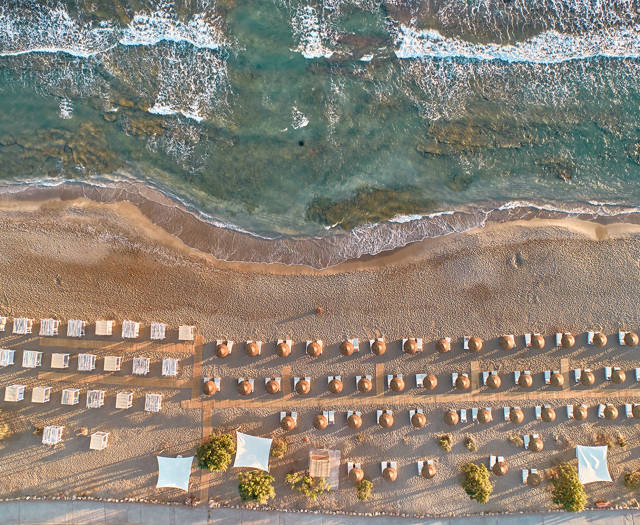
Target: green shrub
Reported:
point(622, 442)
point(278, 448)
point(310, 487)
point(446, 441)
point(4, 430)
point(567, 489)
point(215, 454)
point(256, 485)
point(516, 440)
point(364, 489)
point(476, 482)
point(470, 444)
point(632, 480)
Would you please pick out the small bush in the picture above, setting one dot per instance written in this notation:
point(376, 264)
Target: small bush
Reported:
point(4, 430)
point(622, 442)
point(215, 454)
point(567, 489)
point(446, 442)
point(516, 440)
point(476, 482)
point(278, 448)
point(364, 490)
point(632, 480)
point(310, 487)
point(256, 485)
point(470, 444)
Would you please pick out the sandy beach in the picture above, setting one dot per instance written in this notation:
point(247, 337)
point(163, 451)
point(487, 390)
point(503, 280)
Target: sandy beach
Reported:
point(78, 259)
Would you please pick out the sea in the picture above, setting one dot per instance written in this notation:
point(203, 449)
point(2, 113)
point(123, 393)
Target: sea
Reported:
point(353, 126)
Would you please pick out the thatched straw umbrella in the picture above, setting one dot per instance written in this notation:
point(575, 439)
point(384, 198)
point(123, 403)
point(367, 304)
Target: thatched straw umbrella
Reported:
point(580, 412)
point(386, 420)
point(356, 475)
point(537, 342)
point(418, 420)
point(314, 349)
point(396, 384)
point(244, 388)
point(451, 417)
point(335, 386)
point(631, 339)
point(534, 479)
point(379, 347)
point(272, 386)
point(618, 376)
point(222, 350)
point(210, 388)
point(610, 412)
point(636, 411)
point(494, 381)
point(536, 445)
point(252, 349)
point(484, 415)
point(346, 349)
point(443, 345)
point(288, 423)
point(587, 378)
point(303, 387)
point(567, 340)
point(599, 339)
point(525, 380)
point(390, 474)
point(430, 382)
point(557, 379)
point(365, 385)
point(283, 349)
point(411, 346)
point(475, 344)
point(548, 414)
point(516, 415)
point(463, 382)
point(320, 422)
point(500, 468)
point(354, 421)
point(428, 470)
point(507, 342)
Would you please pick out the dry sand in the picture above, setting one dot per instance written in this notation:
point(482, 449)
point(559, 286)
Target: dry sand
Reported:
point(83, 260)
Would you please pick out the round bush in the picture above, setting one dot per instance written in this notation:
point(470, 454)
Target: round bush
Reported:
point(256, 485)
point(215, 454)
point(364, 489)
point(476, 482)
point(567, 489)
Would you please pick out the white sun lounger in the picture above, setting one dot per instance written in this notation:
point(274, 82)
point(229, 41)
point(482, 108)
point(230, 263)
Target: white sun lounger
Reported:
point(601, 408)
point(331, 416)
point(463, 415)
point(385, 464)
point(637, 374)
point(371, 341)
point(351, 465)
point(547, 377)
point(474, 414)
point(358, 378)
point(628, 410)
point(538, 410)
point(412, 412)
point(607, 373)
point(525, 475)
point(465, 343)
point(526, 439)
point(3, 324)
point(306, 346)
point(251, 382)
point(577, 374)
point(418, 341)
point(454, 376)
point(390, 377)
point(492, 461)
point(420, 379)
point(507, 413)
point(516, 376)
point(569, 411)
point(621, 337)
point(380, 412)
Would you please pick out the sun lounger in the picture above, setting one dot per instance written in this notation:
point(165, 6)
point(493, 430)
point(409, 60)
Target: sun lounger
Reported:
point(228, 344)
point(538, 412)
point(607, 373)
point(420, 465)
point(637, 374)
point(454, 376)
point(577, 374)
point(601, 408)
point(358, 378)
point(526, 439)
point(153, 402)
point(516, 376)
point(3, 324)
point(124, 400)
point(484, 378)
point(525, 475)
point(251, 382)
point(621, 338)
point(492, 461)
point(385, 464)
point(558, 338)
point(420, 379)
point(52, 435)
point(590, 337)
point(380, 412)
point(465, 343)
point(547, 377)
point(527, 340)
point(6, 357)
point(41, 394)
point(463, 415)
point(628, 410)
point(569, 411)
point(507, 413)
point(14, 393)
point(412, 412)
point(352, 465)
point(99, 441)
point(351, 412)
point(331, 416)
point(31, 359)
point(474, 414)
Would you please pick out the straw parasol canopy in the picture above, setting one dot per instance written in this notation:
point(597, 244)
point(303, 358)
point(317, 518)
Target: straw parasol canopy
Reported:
point(443, 345)
point(537, 341)
point(314, 349)
point(397, 384)
point(494, 381)
point(252, 349)
point(210, 388)
point(507, 342)
point(320, 422)
point(631, 339)
point(500, 468)
point(364, 384)
point(534, 479)
point(557, 379)
point(428, 470)
point(283, 349)
point(516, 415)
point(451, 417)
point(346, 349)
point(525, 380)
point(354, 421)
point(302, 387)
point(475, 344)
point(636, 411)
point(548, 414)
point(288, 423)
point(599, 339)
point(356, 474)
point(335, 386)
point(389, 474)
point(222, 350)
point(567, 340)
point(272, 386)
point(430, 382)
point(587, 378)
point(463, 382)
point(536, 445)
point(580, 412)
point(610, 412)
point(386, 420)
point(484, 415)
point(244, 388)
point(411, 346)
point(379, 347)
point(418, 420)
point(618, 376)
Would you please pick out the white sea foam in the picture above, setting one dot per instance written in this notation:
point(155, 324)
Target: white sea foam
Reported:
point(311, 33)
point(298, 119)
point(65, 109)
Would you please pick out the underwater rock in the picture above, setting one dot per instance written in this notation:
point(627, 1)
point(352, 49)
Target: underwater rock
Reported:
point(633, 152)
point(110, 116)
point(125, 103)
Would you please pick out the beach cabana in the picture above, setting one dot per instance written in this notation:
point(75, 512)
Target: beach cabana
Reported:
point(6, 357)
point(76, 328)
point(60, 360)
point(3, 324)
point(31, 359)
point(507, 342)
point(22, 326)
point(355, 472)
point(314, 348)
point(70, 396)
point(354, 419)
point(49, 327)
point(104, 328)
point(385, 418)
point(302, 385)
point(364, 384)
point(41, 394)
point(223, 348)
point(395, 382)
point(245, 386)
point(86, 362)
point(335, 384)
point(152, 402)
point(141, 366)
point(186, 333)
point(169, 367)
point(389, 470)
point(112, 363)
point(95, 398)
point(417, 418)
point(252, 451)
point(253, 348)
point(412, 346)
point(158, 331)
point(283, 347)
point(124, 400)
point(378, 346)
point(288, 420)
point(52, 435)
point(99, 440)
point(130, 329)
point(592, 464)
point(14, 393)
point(349, 346)
point(174, 472)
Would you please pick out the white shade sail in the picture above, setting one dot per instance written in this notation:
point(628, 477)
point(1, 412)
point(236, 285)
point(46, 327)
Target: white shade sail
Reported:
point(592, 464)
point(174, 472)
point(252, 451)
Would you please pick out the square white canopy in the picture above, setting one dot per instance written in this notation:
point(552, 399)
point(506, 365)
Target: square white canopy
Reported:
point(252, 451)
point(592, 464)
point(174, 472)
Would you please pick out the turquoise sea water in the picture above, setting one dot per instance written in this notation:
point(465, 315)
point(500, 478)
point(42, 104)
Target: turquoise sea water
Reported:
point(285, 117)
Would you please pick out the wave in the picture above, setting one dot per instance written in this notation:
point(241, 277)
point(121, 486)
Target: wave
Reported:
point(311, 33)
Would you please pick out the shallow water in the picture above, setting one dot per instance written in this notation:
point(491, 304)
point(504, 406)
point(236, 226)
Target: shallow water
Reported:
point(287, 118)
